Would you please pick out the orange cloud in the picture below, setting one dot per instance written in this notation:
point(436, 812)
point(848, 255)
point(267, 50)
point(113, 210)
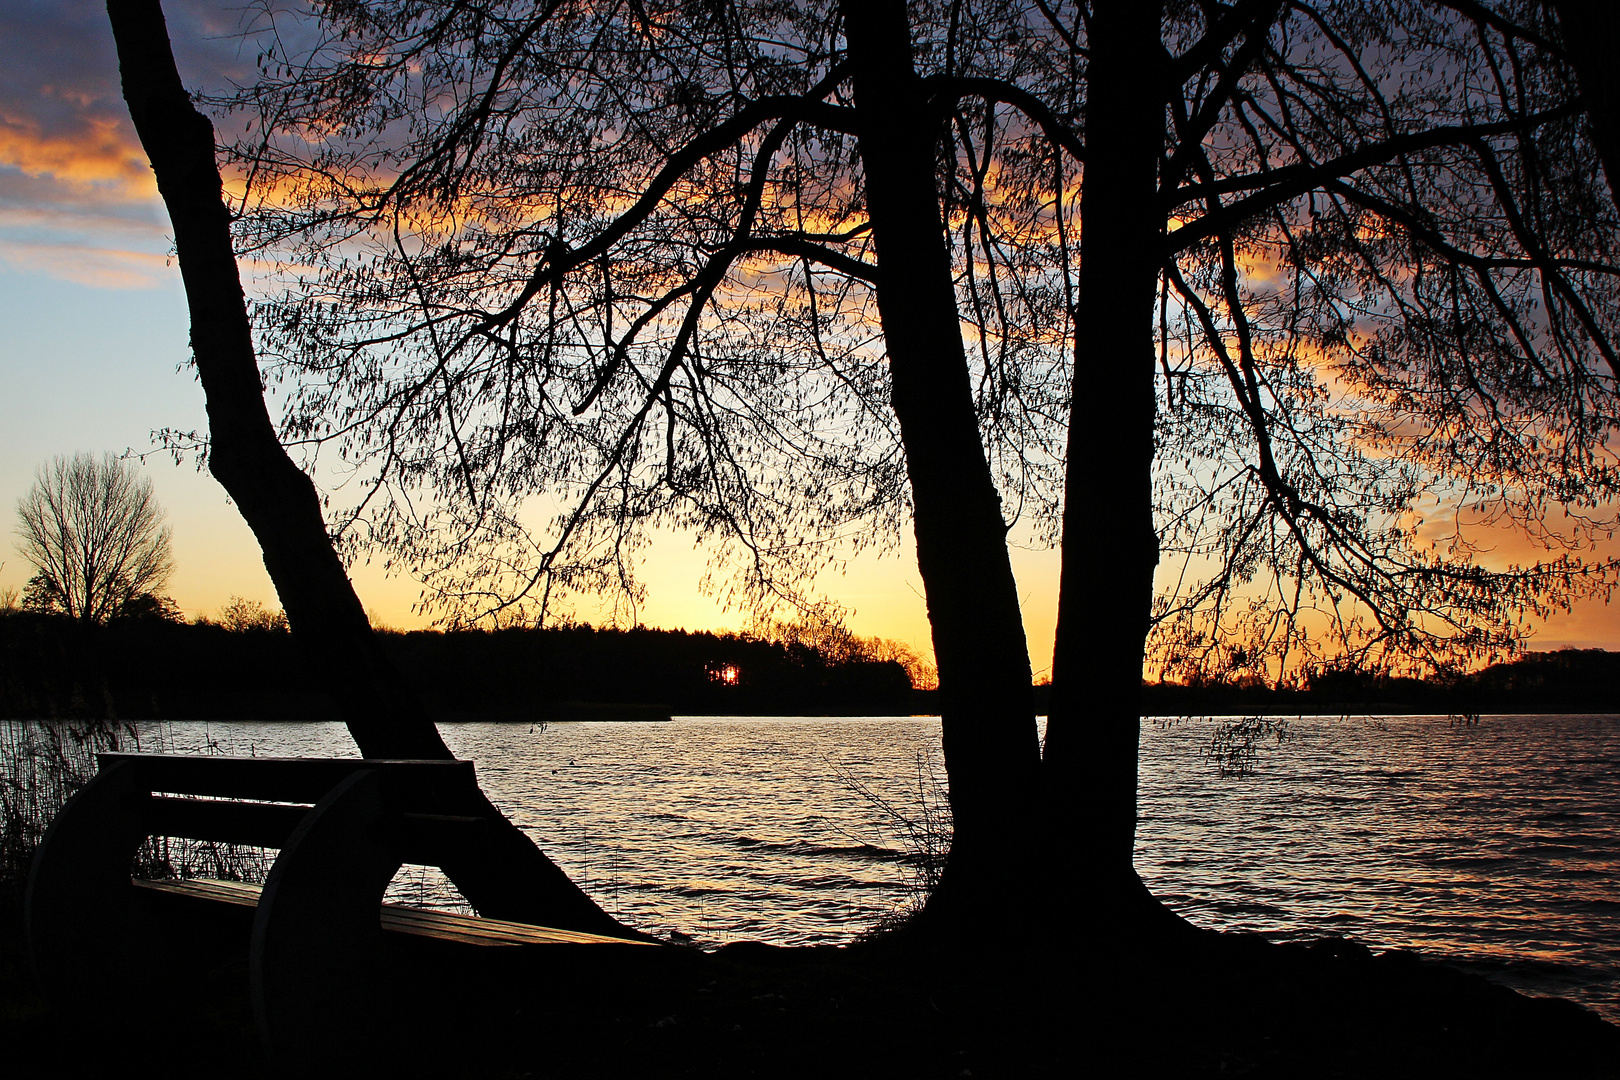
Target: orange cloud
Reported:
point(100, 153)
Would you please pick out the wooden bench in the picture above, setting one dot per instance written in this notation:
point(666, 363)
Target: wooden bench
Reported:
point(343, 828)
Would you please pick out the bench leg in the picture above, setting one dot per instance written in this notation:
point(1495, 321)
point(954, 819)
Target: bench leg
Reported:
point(317, 937)
point(77, 905)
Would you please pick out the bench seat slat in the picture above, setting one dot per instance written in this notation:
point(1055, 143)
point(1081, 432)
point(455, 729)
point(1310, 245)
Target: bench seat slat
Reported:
point(442, 925)
point(239, 893)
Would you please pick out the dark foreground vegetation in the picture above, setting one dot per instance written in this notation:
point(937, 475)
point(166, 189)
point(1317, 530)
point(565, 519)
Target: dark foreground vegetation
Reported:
point(1210, 1005)
point(52, 667)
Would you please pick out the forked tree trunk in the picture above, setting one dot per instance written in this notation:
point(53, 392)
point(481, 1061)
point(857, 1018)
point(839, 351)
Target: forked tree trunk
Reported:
point(1110, 547)
point(515, 880)
point(992, 753)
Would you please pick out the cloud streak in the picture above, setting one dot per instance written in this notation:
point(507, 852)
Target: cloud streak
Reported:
point(101, 268)
point(99, 154)
point(77, 199)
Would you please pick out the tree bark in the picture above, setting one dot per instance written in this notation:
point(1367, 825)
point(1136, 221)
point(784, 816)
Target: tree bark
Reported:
point(1110, 547)
point(515, 880)
point(1591, 29)
point(992, 753)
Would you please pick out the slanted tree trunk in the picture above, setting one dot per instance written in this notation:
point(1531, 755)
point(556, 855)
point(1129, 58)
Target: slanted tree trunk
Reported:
point(992, 752)
point(1591, 30)
point(1110, 546)
point(515, 880)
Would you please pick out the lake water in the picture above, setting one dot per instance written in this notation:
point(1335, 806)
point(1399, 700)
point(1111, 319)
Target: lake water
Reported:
point(1496, 845)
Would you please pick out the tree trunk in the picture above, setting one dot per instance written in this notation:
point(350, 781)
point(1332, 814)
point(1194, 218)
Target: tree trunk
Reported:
point(277, 499)
point(992, 754)
point(1591, 29)
point(1110, 546)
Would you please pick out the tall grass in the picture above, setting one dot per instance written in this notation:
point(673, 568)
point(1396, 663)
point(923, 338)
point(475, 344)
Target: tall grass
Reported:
point(924, 833)
point(42, 764)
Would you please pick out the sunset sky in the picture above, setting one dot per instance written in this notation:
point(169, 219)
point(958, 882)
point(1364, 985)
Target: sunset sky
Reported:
point(93, 349)
point(95, 341)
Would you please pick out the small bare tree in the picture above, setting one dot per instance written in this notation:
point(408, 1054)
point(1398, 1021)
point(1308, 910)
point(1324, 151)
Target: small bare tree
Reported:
point(240, 615)
point(94, 533)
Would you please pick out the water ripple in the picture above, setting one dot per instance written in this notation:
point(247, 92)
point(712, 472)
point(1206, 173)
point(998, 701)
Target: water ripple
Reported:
point(1493, 844)
point(1497, 846)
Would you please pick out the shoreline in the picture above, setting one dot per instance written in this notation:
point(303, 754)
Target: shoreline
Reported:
point(1211, 1005)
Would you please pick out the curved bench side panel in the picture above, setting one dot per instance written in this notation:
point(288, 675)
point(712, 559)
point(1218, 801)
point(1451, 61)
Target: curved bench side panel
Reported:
point(76, 908)
point(317, 930)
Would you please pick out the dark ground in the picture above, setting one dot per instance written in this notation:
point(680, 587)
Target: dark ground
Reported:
point(1036, 1004)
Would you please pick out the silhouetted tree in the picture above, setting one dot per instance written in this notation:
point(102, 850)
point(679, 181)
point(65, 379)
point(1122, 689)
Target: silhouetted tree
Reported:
point(40, 596)
point(512, 878)
point(634, 357)
point(94, 533)
point(149, 607)
point(1238, 285)
point(1385, 293)
point(240, 614)
point(1588, 30)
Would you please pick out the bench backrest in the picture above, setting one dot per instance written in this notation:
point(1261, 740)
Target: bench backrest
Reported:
point(408, 785)
point(260, 801)
point(343, 827)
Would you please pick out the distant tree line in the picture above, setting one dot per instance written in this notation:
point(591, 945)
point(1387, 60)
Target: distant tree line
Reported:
point(1568, 680)
point(148, 664)
point(93, 636)
point(248, 667)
